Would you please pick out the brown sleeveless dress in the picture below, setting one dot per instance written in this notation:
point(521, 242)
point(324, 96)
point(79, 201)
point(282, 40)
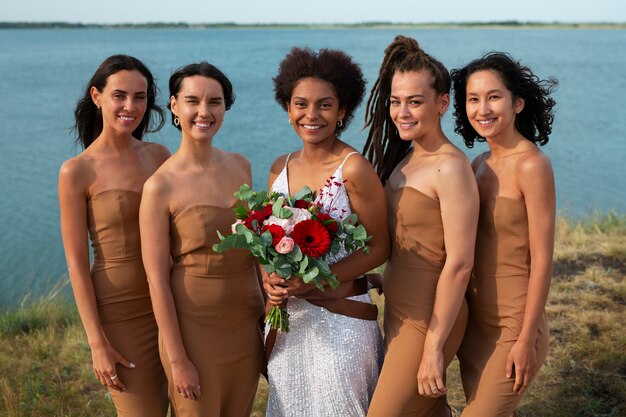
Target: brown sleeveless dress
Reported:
point(410, 281)
point(219, 307)
point(123, 300)
point(497, 301)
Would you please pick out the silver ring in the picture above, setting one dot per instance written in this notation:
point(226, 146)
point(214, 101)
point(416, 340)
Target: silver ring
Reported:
point(434, 389)
point(113, 377)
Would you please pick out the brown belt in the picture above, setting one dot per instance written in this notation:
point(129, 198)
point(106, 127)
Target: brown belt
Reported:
point(334, 301)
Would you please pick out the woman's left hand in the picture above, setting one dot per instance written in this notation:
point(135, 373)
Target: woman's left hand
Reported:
point(521, 361)
point(296, 286)
point(430, 374)
point(274, 287)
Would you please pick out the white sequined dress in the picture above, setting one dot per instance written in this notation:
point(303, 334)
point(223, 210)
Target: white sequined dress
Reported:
point(328, 364)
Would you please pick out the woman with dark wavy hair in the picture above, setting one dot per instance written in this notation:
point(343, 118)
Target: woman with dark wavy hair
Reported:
point(328, 363)
point(99, 195)
point(432, 201)
point(500, 101)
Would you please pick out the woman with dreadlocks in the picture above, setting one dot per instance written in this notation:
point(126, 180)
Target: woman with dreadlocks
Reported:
point(433, 211)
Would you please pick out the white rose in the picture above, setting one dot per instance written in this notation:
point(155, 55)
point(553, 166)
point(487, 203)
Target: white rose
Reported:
point(284, 223)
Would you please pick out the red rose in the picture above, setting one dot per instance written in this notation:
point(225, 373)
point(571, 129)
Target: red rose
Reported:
point(301, 204)
point(277, 232)
point(267, 211)
point(312, 237)
point(329, 223)
point(259, 216)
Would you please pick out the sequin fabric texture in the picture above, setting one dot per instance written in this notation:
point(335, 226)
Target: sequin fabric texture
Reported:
point(328, 364)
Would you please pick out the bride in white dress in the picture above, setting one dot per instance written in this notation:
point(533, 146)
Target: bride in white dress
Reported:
point(328, 363)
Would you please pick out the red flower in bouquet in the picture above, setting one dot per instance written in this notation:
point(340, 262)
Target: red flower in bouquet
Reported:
point(303, 204)
point(312, 237)
point(331, 225)
point(259, 215)
point(277, 233)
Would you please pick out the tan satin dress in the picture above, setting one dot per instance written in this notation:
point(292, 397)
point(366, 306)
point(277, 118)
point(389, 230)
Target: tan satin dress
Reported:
point(219, 307)
point(123, 300)
point(410, 281)
point(497, 300)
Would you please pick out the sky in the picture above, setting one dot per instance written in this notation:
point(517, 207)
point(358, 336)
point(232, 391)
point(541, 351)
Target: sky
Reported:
point(320, 11)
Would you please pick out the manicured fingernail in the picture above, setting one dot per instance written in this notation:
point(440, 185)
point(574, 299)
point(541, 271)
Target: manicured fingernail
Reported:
point(132, 365)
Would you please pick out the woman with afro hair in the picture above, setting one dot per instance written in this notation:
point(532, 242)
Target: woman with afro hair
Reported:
point(328, 364)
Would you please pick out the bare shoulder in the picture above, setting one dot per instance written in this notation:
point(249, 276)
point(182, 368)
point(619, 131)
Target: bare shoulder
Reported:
point(236, 160)
point(534, 163)
point(159, 184)
point(454, 178)
point(357, 166)
point(157, 151)
point(278, 165)
point(74, 171)
point(454, 163)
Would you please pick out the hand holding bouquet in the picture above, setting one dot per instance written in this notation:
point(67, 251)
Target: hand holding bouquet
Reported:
point(292, 238)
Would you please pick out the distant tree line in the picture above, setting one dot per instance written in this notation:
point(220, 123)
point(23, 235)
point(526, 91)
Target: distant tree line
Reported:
point(367, 25)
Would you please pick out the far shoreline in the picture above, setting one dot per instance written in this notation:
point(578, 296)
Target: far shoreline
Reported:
point(513, 24)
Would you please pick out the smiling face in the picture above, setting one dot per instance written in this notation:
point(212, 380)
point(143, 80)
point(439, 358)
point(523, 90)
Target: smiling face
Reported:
point(199, 106)
point(490, 106)
point(415, 107)
point(314, 110)
point(122, 101)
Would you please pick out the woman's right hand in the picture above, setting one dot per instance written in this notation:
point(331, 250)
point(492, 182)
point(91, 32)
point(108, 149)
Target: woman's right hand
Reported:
point(104, 360)
point(274, 288)
point(186, 379)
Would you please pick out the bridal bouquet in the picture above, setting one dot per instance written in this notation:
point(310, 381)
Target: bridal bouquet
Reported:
point(292, 238)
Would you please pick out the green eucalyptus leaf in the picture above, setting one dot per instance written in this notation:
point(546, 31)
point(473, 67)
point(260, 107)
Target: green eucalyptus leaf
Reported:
point(310, 275)
point(266, 238)
point(284, 270)
point(240, 211)
point(245, 193)
point(305, 193)
point(359, 233)
point(304, 264)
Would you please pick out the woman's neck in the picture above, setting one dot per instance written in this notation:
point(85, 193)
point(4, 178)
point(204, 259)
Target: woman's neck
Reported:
point(196, 153)
point(319, 153)
point(430, 143)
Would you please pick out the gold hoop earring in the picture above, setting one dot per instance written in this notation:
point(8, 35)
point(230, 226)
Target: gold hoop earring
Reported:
point(339, 123)
point(176, 121)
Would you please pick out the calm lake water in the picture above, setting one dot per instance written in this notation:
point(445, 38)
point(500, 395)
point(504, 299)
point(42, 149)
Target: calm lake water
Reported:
point(42, 73)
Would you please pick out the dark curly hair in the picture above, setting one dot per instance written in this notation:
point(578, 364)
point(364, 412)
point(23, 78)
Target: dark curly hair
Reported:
point(203, 69)
point(330, 65)
point(383, 147)
point(534, 122)
point(88, 118)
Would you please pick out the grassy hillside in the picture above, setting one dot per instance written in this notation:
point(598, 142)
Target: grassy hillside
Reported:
point(45, 363)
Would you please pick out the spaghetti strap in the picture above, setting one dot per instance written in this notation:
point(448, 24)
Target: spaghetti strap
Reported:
point(344, 159)
point(287, 160)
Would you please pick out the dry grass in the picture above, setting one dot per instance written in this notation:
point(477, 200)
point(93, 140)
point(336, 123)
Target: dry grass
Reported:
point(45, 365)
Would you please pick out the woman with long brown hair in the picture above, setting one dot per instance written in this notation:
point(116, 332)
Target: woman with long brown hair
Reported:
point(99, 196)
point(433, 209)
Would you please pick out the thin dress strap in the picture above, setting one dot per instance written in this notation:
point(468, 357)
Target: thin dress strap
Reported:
point(345, 159)
point(287, 160)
